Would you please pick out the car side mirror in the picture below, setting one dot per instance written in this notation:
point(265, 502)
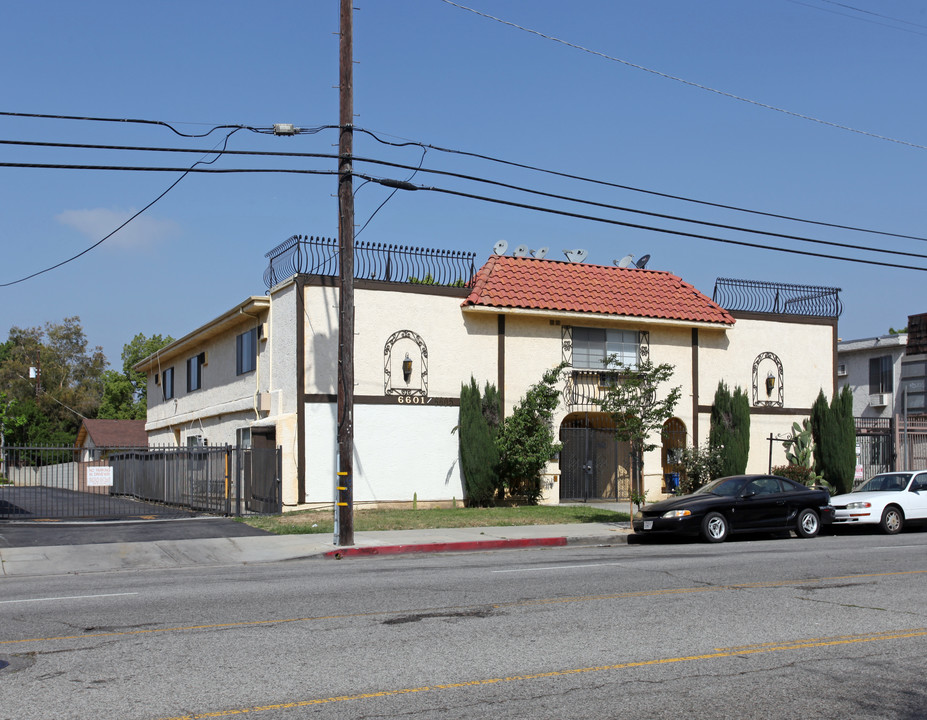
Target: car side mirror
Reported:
point(748, 495)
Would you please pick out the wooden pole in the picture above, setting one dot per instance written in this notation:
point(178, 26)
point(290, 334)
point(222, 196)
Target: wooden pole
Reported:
point(345, 478)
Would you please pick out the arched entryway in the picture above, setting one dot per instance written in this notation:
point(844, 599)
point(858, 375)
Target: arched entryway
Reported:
point(594, 465)
point(673, 437)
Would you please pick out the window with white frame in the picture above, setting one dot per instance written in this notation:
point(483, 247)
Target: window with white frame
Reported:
point(246, 352)
point(592, 347)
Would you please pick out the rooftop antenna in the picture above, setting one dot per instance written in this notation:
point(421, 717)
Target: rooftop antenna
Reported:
point(625, 261)
point(576, 256)
point(642, 263)
point(500, 247)
point(542, 253)
point(520, 251)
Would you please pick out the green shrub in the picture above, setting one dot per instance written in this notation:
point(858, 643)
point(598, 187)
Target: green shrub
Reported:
point(478, 453)
point(729, 431)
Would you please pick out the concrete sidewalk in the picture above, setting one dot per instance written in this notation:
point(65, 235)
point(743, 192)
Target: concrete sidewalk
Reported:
point(109, 557)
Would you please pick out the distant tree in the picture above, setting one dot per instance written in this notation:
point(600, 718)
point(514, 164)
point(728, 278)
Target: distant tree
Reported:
point(636, 410)
point(526, 439)
point(729, 429)
point(893, 331)
point(125, 394)
point(56, 379)
point(478, 452)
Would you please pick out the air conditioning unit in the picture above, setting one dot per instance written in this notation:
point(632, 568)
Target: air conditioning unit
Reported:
point(878, 399)
point(841, 371)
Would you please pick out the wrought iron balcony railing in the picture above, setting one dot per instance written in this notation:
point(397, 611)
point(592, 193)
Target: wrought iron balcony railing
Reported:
point(372, 261)
point(779, 298)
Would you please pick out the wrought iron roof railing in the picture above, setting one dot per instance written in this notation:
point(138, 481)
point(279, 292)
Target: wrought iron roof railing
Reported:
point(779, 298)
point(372, 261)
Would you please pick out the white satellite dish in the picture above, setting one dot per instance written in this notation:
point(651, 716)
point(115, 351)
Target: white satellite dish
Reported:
point(577, 255)
point(642, 263)
point(542, 253)
point(625, 261)
point(500, 247)
point(520, 251)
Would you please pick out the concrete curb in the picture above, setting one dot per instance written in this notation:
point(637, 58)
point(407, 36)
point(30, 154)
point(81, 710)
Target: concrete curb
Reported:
point(472, 546)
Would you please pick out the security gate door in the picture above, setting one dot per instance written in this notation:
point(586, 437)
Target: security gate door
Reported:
point(593, 464)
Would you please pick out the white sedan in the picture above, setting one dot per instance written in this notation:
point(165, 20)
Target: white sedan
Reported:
point(888, 500)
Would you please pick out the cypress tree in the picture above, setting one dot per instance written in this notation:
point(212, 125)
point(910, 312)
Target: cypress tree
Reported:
point(845, 425)
point(729, 431)
point(478, 454)
point(820, 430)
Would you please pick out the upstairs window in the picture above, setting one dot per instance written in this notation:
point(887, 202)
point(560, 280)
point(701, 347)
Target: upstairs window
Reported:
point(880, 374)
point(593, 346)
point(195, 372)
point(167, 384)
point(246, 352)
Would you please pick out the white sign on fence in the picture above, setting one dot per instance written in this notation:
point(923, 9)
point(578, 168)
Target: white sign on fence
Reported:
point(99, 476)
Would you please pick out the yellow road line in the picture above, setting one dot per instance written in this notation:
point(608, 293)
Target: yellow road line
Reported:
point(519, 603)
point(718, 654)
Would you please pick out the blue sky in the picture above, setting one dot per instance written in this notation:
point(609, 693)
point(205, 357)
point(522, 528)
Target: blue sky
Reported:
point(437, 74)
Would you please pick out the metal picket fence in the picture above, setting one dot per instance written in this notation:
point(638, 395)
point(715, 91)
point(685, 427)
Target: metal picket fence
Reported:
point(60, 483)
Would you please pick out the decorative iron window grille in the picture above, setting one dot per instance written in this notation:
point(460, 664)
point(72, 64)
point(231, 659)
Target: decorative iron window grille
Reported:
point(372, 261)
point(778, 298)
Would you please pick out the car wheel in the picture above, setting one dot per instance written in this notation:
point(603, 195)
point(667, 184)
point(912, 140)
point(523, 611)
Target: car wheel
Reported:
point(714, 527)
point(808, 524)
point(892, 520)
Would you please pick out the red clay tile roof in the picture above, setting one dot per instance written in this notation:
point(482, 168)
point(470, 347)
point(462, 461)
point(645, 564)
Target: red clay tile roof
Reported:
point(114, 433)
point(521, 282)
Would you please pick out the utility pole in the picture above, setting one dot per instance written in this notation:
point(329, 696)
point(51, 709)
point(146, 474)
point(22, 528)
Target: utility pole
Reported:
point(344, 509)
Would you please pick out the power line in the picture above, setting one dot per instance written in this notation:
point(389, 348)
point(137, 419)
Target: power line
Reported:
point(508, 186)
point(650, 228)
point(192, 168)
point(645, 191)
point(425, 146)
point(690, 83)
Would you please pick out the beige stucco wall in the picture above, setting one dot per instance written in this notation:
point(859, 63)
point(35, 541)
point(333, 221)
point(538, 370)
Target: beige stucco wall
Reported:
point(806, 353)
point(225, 401)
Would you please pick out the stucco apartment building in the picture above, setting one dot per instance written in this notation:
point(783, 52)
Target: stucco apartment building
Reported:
point(265, 372)
point(886, 374)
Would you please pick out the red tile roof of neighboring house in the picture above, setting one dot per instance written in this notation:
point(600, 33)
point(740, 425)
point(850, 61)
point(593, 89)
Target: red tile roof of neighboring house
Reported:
point(521, 282)
point(113, 433)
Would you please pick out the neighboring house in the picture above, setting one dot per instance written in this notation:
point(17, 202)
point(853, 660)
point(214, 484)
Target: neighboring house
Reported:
point(267, 369)
point(97, 437)
point(871, 367)
point(886, 374)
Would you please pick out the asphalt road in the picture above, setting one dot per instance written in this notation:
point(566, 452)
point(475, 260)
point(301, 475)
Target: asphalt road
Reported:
point(88, 533)
point(759, 628)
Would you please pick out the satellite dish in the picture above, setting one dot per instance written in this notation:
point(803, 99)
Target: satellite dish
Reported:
point(520, 251)
point(642, 263)
point(577, 255)
point(625, 261)
point(542, 253)
point(500, 247)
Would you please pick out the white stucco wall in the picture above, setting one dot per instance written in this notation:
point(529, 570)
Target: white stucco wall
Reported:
point(401, 453)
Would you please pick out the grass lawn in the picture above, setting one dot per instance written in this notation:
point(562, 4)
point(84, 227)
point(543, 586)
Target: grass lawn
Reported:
point(322, 521)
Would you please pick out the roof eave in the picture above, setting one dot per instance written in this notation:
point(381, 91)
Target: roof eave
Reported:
point(573, 314)
point(238, 315)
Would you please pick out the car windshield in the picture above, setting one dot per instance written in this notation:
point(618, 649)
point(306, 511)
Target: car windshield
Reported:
point(885, 483)
point(722, 486)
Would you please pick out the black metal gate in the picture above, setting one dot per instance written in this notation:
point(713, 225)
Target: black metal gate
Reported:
point(594, 465)
point(875, 443)
point(142, 484)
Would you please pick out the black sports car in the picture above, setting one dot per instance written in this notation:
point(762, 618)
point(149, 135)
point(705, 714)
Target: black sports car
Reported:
point(741, 503)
